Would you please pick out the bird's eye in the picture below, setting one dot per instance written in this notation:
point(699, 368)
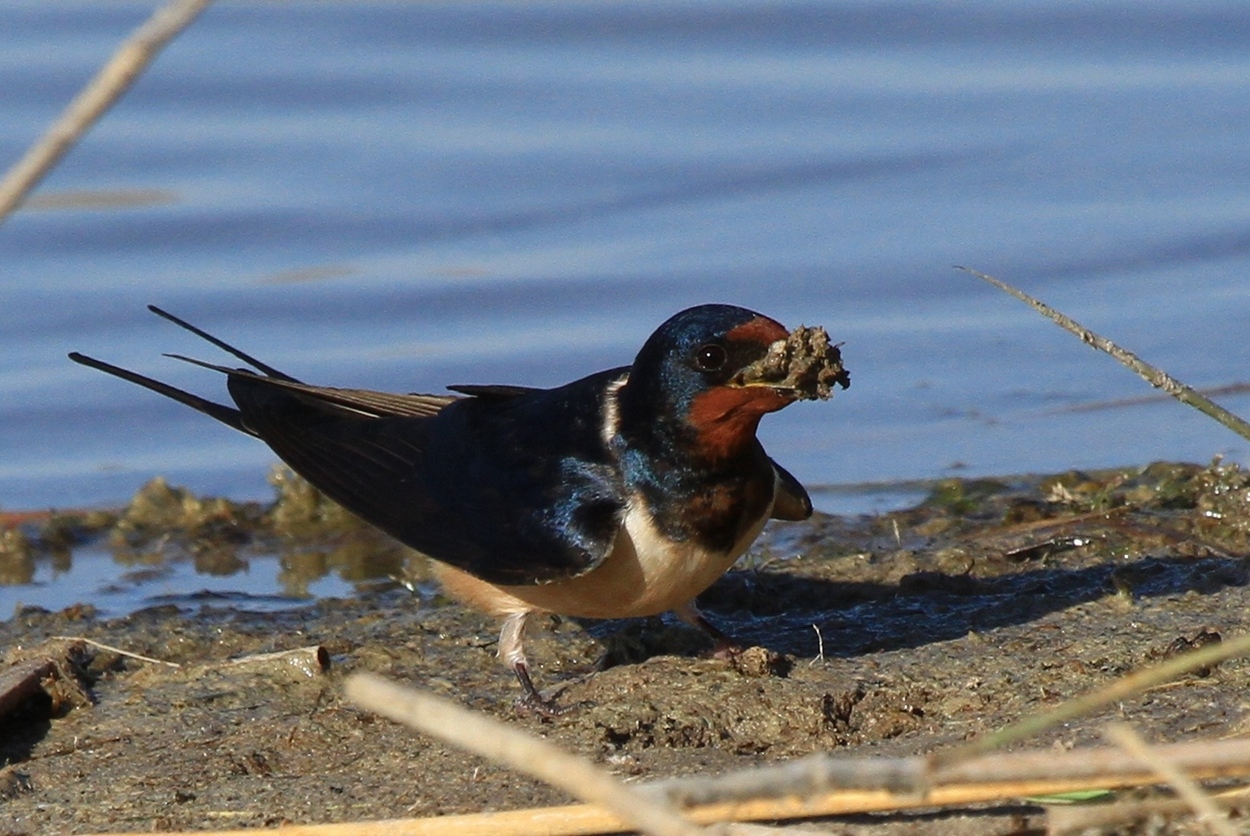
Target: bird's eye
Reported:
point(711, 358)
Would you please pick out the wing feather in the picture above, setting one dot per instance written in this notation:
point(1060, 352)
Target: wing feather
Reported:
point(366, 401)
point(518, 490)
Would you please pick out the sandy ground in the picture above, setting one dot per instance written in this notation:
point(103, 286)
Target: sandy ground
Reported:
point(897, 634)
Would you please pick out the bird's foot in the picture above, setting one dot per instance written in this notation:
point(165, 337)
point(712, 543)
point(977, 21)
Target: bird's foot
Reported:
point(532, 701)
point(540, 706)
point(748, 660)
point(725, 649)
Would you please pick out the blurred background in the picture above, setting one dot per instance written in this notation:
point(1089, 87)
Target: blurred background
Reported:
point(407, 195)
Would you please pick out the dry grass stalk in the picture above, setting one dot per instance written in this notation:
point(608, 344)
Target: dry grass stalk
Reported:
point(807, 777)
point(902, 779)
point(1082, 818)
point(309, 661)
point(737, 829)
point(1155, 377)
point(113, 79)
point(1130, 741)
point(501, 743)
point(1116, 690)
point(117, 650)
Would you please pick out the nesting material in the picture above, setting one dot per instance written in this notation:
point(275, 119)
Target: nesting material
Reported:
point(805, 362)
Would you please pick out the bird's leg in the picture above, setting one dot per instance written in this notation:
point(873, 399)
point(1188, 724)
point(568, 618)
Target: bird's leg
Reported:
point(512, 652)
point(723, 646)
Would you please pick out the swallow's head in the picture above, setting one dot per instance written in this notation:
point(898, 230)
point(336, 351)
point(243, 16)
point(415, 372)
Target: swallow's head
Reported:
point(710, 373)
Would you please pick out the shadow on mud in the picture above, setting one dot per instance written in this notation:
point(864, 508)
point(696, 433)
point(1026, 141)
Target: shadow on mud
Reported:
point(806, 617)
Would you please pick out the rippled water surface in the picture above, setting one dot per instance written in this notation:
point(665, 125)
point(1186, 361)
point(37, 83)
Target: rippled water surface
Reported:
point(406, 195)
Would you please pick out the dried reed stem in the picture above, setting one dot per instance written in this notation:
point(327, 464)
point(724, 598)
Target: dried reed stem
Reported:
point(117, 650)
point(1082, 818)
point(501, 743)
point(839, 780)
point(1130, 741)
point(1155, 377)
point(113, 79)
point(1112, 692)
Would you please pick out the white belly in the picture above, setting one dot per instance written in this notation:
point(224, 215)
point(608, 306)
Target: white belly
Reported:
point(644, 575)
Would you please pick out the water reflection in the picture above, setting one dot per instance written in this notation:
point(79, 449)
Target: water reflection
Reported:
point(17, 563)
point(169, 542)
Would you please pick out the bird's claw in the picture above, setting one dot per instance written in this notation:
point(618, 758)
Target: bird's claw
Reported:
point(725, 649)
point(533, 702)
point(543, 707)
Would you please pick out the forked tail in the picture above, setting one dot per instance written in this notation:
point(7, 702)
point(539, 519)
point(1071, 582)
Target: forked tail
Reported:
point(225, 414)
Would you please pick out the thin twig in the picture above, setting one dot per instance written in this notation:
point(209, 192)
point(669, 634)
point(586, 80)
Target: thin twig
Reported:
point(116, 650)
point(737, 829)
point(501, 743)
point(820, 646)
point(1119, 689)
point(817, 776)
point(1155, 377)
point(806, 777)
point(1085, 818)
point(113, 79)
point(1130, 741)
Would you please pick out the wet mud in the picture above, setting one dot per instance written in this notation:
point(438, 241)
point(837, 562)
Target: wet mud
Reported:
point(892, 634)
point(805, 362)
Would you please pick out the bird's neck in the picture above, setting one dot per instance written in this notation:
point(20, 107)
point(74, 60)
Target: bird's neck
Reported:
point(697, 485)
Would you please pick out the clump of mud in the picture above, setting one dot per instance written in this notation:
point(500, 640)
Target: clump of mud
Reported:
point(805, 362)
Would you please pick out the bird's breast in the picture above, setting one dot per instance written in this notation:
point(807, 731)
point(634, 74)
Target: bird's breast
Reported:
point(646, 573)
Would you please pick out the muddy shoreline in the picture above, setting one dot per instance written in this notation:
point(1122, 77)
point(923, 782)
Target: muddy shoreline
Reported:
point(891, 634)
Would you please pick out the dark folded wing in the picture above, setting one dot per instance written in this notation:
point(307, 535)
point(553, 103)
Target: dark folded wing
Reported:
point(516, 491)
point(512, 484)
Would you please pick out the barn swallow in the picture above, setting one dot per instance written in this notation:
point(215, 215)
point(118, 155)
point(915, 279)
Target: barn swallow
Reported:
point(625, 493)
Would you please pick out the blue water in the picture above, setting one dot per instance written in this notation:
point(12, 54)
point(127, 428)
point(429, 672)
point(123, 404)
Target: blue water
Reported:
point(406, 195)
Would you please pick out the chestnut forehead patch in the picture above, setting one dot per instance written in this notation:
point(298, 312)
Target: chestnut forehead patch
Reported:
point(760, 330)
